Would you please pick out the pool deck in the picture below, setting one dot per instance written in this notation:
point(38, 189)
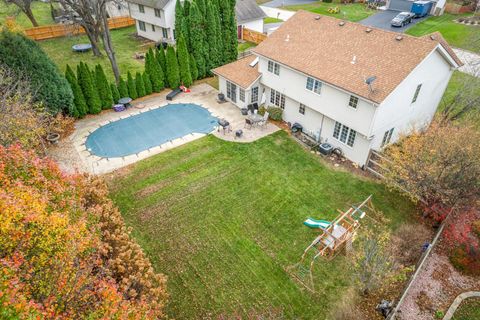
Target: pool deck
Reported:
point(72, 155)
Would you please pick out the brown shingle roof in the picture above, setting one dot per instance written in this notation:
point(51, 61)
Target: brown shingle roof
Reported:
point(239, 71)
point(321, 47)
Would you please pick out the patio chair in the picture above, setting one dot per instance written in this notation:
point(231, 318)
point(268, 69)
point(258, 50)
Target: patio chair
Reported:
point(264, 121)
point(249, 123)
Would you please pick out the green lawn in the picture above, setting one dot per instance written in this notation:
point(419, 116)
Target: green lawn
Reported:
point(351, 12)
point(224, 219)
point(245, 46)
point(124, 42)
point(41, 11)
point(457, 35)
point(271, 20)
point(469, 310)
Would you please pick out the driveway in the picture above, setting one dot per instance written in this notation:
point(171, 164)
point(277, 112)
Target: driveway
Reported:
point(382, 20)
point(280, 3)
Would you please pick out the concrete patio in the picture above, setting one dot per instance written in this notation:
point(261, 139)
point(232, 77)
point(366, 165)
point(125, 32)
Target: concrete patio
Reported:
point(72, 155)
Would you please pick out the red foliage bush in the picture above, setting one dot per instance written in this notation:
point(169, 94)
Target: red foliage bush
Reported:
point(63, 246)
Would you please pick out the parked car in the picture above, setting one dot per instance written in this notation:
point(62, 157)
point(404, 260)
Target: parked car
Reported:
point(402, 19)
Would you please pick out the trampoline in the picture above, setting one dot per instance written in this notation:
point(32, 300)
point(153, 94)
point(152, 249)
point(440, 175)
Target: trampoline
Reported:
point(82, 47)
point(149, 129)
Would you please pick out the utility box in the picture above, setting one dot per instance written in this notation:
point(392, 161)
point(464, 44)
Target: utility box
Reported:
point(421, 8)
point(325, 149)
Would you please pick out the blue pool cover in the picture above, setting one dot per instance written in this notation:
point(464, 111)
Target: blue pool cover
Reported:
point(149, 129)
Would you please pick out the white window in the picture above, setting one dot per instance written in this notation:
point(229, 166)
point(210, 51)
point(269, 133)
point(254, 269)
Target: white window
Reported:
point(153, 28)
point(141, 25)
point(277, 98)
point(165, 32)
point(242, 95)
point(274, 67)
point(301, 109)
point(141, 8)
point(157, 13)
point(387, 136)
point(314, 85)
point(344, 134)
point(254, 94)
point(417, 92)
point(232, 91)
point(353, 102)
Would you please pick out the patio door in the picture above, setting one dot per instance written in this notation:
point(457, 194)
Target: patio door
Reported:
point(232, 91)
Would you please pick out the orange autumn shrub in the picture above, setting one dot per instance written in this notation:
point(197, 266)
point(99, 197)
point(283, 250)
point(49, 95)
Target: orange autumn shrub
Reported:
point(57, 258)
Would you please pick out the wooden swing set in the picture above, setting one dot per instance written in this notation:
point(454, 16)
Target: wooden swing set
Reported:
point(335, 238)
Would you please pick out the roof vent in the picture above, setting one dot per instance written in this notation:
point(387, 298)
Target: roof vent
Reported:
point(432, 37)
point(341, 23)
point(287, 38)
point(254, 62)
point(354, 60)
point(317, 17)
point(399, 38)
point(368, 30)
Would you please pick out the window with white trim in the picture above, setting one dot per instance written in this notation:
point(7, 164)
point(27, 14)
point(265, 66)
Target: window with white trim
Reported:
point(242, 95)
point(274, 67)
point(313, 85)
point(158, 13)
point(153, 27)
point(165, 32)
point(353, 102)
point(232, 91)
point(141, 25)
point(387, 136)
point(277, 98)
point(344, 134)
point(417, 92)
point(254, 97)
point(141, 8)
point(301, 109)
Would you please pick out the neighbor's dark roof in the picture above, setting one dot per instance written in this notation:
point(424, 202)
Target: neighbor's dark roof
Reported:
point(248, 10)
point(158, 4)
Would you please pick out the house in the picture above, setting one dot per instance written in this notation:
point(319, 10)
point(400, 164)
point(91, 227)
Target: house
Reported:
point(352, 86)
point(438, 6)
point(155, 19)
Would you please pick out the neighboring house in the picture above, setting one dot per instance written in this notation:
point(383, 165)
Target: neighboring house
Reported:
point(117, 8)
point(438, 6)
point(156, 18)
point(315, 68)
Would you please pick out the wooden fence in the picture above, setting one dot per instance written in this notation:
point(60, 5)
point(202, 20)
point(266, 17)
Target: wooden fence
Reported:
point(63, 30)
point(253, 36)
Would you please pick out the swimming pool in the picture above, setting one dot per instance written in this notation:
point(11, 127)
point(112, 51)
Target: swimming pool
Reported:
point(149, 129)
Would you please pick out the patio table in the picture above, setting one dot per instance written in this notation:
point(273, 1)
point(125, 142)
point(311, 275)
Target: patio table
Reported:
point(125, 101)
point(256, 118)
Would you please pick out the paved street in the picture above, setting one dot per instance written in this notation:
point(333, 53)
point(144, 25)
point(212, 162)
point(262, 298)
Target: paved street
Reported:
point(280, 3)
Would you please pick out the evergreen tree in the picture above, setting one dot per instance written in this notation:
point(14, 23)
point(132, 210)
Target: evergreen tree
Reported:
point(162, 61)
point(184, 62)
point(132, 87)
point(212, 36)
point(115, 92)
point(140, 85)
point(218, 29)
point(147, 83)
point(122, 88)
point(201, 7)
point(155, 72)
point(173, 74)
point(79, 106)
point(178, 19)
point(193, 67)
point(197, 39)
point(186, 24)
point(103, 88)
point(86, 83)
point(229, 30)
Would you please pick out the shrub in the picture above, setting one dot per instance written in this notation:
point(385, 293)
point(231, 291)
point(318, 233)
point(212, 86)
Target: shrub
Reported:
point(184, 62)
point(173, 74)
point(476, 228)
point(275, 113)
point(466, 258)
point(103, 88)
point(66, 253)
point(140, 85)
point(122, 88)
point(86, 82)
point(132, 87)
point(147, 83)
point(115, 92)
point(25, 57)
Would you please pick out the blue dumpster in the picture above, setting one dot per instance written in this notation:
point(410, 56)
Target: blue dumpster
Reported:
point(421, 8)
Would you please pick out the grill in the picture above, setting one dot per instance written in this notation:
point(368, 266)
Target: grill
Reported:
point(224, 124)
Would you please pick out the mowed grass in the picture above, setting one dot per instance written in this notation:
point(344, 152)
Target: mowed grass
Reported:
point(223, 220)
point(124, 42)
point(457, 35)
point(469, 309)
point(41, 11)
point(351, 12)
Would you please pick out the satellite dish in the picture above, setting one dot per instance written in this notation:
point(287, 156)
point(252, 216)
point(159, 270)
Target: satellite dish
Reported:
point(369, 81)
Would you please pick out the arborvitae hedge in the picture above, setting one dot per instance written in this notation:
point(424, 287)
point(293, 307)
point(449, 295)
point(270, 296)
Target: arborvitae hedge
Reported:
point(80, 105)
point(25, 57)
point(122, 88)
point(140, 85)
point(147, 83)
point(162, 61)
point(184, 62)
point(103, 88)
point(193, 67)
point(132, 87)
point(115, 93)
point(173, 74)
point(86, 83)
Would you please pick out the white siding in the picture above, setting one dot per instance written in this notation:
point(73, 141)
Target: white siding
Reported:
point(331, 102)
point(397, 110)
point(255, 25)
point(166, 20)
point(222, 87)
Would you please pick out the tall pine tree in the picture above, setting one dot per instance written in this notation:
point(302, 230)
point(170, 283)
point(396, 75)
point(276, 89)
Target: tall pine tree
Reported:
point(115, 93)
point(197, 39)
point(193, 67)
point(147, 83)
point(229, 30)
point(179, 19)
point(86, 83)
point(132, 87)
point(140, 85)
point(103, 88)
point(79, 108)
point(212, 36)
point(186, 24)
point(162, 61)
point(184, 62)
point(173, 74)
point(122, 88)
